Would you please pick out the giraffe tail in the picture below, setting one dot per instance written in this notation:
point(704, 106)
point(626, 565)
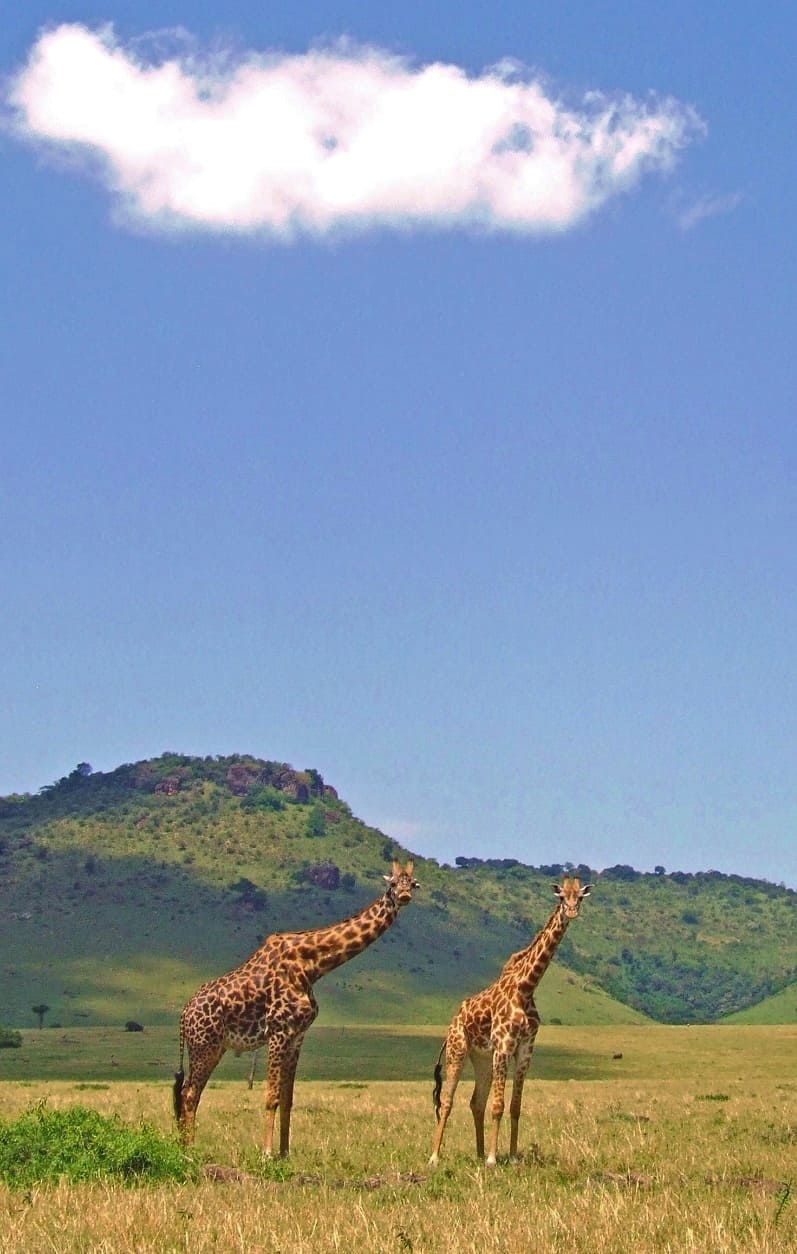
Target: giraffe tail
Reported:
point(438, 1081)
point(179, 1078)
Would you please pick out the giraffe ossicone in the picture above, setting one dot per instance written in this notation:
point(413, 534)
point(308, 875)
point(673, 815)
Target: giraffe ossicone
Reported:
point(499, 1025)
point(269, 1000)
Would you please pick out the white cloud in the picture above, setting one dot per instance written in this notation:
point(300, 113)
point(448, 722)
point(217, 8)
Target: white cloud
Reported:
point(707, 207)
point(341, 137)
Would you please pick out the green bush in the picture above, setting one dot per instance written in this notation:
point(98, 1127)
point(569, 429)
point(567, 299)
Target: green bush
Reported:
point(81, 1144)
point(263, 797)
point(9, 1038)
point(316, 825)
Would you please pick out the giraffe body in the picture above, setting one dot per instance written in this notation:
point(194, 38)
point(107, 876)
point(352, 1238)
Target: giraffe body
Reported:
point(496, 1028)
point(269, 1000)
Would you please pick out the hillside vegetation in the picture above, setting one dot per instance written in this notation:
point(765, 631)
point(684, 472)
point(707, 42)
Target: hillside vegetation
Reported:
point(121, 891)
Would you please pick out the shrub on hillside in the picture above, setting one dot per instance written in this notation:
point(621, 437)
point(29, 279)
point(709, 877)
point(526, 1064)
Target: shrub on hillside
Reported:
point(249, 894)
point(9, 1038)
point(316, 825)
point(322, 874)
point(81, 1144)
point(263, 797)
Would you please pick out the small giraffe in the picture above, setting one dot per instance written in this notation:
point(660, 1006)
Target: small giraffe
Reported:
point(498, 1024)
point(269, 1000)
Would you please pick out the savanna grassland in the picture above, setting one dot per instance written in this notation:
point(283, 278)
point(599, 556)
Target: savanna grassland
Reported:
point(686, 1142)
point(121, 892)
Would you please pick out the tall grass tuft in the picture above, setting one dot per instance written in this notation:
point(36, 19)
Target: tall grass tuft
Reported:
point(80, 1144)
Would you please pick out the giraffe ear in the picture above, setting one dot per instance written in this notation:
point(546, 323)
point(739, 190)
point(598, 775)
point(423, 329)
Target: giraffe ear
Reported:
point(586, 890)
point(557, 888)
point(389, 878)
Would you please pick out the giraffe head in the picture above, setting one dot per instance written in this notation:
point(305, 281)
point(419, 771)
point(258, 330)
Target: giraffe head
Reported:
point(571, 895)
point(401, 883)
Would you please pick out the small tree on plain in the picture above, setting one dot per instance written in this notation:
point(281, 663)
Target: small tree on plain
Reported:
point(41, 1011)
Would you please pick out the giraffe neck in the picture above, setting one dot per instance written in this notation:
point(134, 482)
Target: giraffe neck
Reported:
point(529, 966)
point(324, 948)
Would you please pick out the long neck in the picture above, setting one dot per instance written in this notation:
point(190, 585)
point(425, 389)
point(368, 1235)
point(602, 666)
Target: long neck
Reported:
point(531, 963)
point(331, 946)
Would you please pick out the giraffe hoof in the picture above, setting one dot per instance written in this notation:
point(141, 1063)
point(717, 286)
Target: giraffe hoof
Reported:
point(433, 1161)
point(489, 1162)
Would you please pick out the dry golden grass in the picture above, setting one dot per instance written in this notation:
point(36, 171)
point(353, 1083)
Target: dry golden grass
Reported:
point(688, 1144)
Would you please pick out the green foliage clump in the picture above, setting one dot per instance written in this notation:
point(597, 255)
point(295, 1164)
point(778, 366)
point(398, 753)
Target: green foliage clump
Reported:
point(9, 1038)
point(316, 825)
point(276, 1170)
point(249, 893)
point(81, 1144)
point(263, 797)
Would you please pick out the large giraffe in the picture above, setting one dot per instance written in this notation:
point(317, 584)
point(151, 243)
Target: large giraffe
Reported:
point(498, 1024)
point(269, 1000)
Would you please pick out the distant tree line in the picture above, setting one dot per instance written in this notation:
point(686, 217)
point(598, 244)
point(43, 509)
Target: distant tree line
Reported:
point(622, 873)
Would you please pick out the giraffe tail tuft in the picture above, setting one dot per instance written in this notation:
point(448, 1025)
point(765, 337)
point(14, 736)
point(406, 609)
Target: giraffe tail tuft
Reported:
point(177, 1093)
point(179, 1075)
point(438, 1081)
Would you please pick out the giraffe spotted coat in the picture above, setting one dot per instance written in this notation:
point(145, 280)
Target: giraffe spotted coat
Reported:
point(269, 1000)
point(498, 1026)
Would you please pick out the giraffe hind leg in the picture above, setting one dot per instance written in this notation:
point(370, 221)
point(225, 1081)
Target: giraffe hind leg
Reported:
point(200, 1068)
point(456, 1053)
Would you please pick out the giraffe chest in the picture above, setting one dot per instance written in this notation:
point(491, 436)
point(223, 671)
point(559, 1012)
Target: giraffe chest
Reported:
point(499, 1022)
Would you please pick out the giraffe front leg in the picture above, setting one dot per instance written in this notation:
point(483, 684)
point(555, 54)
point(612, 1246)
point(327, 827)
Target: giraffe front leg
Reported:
point(276, 1050)
point(522, 1061)
point(482, 1066)
point(500, 1063)
point(289, 1065)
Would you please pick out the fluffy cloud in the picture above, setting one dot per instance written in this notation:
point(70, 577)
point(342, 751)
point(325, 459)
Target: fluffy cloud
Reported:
point(344, 137)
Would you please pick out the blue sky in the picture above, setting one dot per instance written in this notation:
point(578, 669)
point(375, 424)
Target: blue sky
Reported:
point(471, 487)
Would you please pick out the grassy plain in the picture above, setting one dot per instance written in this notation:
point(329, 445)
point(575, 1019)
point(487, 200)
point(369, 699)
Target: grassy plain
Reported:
point(688, 1142)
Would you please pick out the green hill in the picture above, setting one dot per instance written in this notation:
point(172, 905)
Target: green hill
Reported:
point(780, 1008)
point(681, 948)
point(121, 891)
